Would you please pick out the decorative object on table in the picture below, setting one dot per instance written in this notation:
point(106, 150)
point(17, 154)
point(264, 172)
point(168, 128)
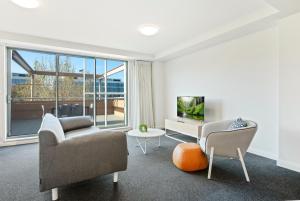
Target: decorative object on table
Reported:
point(189, 157)
point(143, 128)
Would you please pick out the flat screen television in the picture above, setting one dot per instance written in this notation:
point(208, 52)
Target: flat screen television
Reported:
point(191, 107)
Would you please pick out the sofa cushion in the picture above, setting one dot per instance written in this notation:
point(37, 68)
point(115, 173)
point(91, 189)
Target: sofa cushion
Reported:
point(52, 124)
point(73, 123)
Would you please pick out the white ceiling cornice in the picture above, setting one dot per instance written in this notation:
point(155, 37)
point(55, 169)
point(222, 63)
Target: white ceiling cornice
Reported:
point(238, 29)
point(47, 44)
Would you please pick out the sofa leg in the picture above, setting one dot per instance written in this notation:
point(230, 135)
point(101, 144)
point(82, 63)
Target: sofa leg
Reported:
point(211, 157)
point(243, 164)
point(54, 192)
point(115, 177)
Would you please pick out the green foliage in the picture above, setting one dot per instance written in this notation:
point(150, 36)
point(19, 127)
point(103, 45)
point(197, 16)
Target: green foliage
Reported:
point(190, 109)
point(180, 106)
point(44, 86)
point(143, 128)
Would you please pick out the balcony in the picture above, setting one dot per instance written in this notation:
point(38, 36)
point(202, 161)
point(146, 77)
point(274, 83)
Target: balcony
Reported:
point(26, 115)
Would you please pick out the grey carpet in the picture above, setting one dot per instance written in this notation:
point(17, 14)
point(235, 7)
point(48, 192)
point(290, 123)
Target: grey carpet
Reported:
point(152, 177)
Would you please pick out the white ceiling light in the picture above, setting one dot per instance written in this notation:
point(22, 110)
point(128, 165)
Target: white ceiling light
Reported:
point(27, 3)
point(148, 29)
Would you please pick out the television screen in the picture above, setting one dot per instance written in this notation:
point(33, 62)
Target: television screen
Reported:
point(190, 107)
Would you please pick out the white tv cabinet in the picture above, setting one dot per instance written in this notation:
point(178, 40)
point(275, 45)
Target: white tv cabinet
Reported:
point(188, 127)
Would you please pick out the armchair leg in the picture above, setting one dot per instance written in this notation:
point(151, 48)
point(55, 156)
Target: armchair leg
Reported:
point(211, 157)
point(243, 164)
point(115, 177)
point(54, 192)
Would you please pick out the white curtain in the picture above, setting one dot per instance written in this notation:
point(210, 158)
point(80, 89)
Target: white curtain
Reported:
point(140, 106)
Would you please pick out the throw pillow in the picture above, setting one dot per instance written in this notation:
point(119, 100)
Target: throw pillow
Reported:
point(74, 123)
point(238, 123)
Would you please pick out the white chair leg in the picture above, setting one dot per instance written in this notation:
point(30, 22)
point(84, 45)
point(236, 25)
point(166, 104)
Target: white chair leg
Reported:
point(211, 157)
point(54, 192)
point(115, 177)
point(243, 164)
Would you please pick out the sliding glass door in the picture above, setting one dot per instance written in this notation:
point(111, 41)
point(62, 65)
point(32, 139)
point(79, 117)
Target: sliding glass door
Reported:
point(100, 102)
point(70, 86)
point(64, 85)
point(115, 93)
point(31, 91)
point(110, 93)
point(89, 87)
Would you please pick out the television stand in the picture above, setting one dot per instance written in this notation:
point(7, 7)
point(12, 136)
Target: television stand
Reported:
point(181, 121)
point(187, 127)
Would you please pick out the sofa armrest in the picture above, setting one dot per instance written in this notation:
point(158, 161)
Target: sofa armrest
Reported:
point(214, 127)
point(73, 123)
point(84, 157)
point(47, 138)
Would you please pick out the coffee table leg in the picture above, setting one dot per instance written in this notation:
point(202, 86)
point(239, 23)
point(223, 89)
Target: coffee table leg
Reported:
point(158, 141)
point(145, 146)
point(144, 150)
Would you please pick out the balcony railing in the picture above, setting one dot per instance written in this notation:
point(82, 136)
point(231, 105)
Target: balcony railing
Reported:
point(26, 114)
point(35, 108)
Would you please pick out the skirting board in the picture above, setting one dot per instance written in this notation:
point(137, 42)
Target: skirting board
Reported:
point(262, 153)
point(289, 165)
point(281, 163)
point(18, 142)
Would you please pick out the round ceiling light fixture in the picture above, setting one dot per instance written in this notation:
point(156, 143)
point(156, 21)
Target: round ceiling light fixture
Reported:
point(148, 29)
point(27, 3)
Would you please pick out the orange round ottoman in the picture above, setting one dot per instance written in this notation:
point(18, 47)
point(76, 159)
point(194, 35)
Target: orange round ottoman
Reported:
point(189, 157)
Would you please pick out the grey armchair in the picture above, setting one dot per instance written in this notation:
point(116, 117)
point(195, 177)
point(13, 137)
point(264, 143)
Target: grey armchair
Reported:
point(72, 150)
point(218, 139)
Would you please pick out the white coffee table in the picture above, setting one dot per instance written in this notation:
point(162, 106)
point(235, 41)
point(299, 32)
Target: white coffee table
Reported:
point(152, 133)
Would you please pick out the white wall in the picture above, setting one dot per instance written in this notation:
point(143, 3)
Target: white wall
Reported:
point(289, 92)
point(256, 77)
point(238, 78)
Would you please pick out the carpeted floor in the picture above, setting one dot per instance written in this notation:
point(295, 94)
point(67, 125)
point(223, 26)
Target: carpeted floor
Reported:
point(152, 177)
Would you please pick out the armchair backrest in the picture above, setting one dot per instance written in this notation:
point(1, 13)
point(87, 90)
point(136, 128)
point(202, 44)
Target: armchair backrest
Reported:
point(73, 123)
point(51, 131)
point(226, 142)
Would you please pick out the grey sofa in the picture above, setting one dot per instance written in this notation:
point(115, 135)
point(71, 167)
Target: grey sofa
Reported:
point(72, 150)
point(218, 139)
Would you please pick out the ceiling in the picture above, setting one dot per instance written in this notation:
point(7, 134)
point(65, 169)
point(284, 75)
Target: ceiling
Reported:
point(114, 23)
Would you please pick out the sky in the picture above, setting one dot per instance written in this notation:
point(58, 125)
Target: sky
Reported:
point(77, 62)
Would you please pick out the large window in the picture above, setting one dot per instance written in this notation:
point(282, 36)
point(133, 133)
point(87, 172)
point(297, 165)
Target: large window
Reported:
point(64, 85)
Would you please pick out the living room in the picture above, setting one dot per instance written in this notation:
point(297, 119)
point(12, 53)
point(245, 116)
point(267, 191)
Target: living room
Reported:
point(149, 100)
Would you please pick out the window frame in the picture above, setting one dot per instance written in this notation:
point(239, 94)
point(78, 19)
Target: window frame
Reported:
point(58, 54)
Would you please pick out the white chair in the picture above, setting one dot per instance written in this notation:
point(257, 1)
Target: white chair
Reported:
point(218, 139)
